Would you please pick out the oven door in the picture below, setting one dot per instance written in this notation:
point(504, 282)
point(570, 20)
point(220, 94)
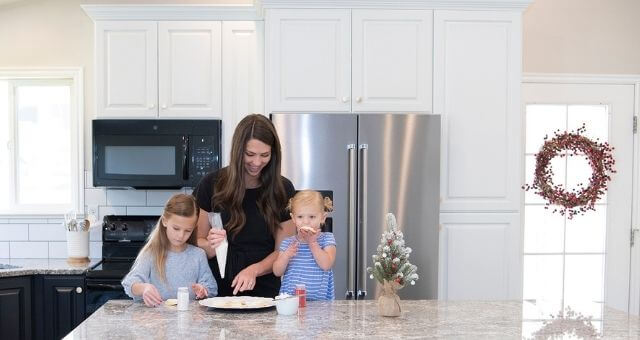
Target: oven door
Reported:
point(99, 291)
point(140, 161)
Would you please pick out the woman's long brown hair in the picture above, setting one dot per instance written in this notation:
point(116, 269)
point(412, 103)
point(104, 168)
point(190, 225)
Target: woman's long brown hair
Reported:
point(230, 187)
point(158, 244)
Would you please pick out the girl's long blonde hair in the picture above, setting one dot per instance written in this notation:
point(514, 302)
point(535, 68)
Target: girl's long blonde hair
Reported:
point(158, 244)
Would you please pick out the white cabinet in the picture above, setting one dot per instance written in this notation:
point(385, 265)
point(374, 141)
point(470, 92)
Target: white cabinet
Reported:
point(189, 69)
point(480, 256)
point(477, 67)
point(341, 60)
point(126, 68)
point(158, 69)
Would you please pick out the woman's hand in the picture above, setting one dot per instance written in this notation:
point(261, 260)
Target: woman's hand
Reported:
point(245, 280)
point(199, 290)
point(151, 296)
point(215, 237)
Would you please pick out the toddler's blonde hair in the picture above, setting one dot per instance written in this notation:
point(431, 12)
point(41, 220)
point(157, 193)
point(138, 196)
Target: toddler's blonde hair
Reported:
point(307, 197)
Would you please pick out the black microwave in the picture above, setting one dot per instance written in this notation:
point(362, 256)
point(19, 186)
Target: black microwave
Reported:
point(154, 154)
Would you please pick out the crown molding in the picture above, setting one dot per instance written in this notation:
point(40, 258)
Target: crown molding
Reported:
point(401, 4)
point(579, 78)
point(173, 12)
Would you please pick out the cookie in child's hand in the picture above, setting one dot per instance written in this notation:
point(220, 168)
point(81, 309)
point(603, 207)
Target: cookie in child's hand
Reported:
point(309, 229)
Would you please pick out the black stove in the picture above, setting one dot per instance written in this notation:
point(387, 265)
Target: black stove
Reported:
point(122, 239)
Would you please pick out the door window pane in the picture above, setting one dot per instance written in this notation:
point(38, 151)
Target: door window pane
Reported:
point(584, 277)
point(594, 117)
point(543, 232)
point(5, 156)
point(586, 233)
point(542, 285)
point(543, 120)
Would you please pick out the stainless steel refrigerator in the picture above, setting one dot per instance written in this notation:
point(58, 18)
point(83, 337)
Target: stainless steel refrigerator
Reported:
point(371, 164)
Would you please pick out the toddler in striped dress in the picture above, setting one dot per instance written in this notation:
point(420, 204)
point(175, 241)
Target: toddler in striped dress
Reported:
point(308, 256)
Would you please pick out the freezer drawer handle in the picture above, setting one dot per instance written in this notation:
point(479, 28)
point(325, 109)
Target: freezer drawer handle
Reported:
point(362, 227)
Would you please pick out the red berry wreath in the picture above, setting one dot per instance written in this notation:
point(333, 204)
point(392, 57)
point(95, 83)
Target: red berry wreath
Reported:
point(581, 199)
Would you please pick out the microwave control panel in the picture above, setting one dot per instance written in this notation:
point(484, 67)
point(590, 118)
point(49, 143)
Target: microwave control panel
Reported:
point(204, 157)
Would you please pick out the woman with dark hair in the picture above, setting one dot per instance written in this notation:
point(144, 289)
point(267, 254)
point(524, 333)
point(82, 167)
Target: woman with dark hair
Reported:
point(251, 197)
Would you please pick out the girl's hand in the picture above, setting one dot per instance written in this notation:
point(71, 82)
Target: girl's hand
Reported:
point(291, 250)
point(151, 296)
point(307, 235)
point(245, 280)
point(199, 290)
point(215, 237)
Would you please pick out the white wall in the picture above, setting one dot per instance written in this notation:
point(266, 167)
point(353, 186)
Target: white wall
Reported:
point(582, 36)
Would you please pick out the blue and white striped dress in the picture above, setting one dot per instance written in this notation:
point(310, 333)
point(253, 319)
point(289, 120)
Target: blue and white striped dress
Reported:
point(303, 268)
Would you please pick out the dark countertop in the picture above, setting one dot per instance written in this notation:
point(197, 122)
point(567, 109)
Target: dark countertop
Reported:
point(120, 319)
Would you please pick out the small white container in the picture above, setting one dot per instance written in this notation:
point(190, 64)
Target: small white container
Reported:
point(183, 298)
point(287, 305)
point(77, 245)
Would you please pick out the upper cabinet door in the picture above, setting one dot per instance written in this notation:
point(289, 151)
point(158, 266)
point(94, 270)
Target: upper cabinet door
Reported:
point(477, 68)
point(308, 60)
point(190, 58)
point(392, 60)
point(126, 69)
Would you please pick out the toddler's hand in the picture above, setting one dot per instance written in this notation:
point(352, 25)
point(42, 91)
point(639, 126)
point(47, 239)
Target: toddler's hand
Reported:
point(291, 250)
point(199, 290)
point(151, 296)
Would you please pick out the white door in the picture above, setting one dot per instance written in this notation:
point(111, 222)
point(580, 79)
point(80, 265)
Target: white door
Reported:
point(308, 58)
point(190, 68)
point(126, 68)
point(581, 263)
point(392, 60)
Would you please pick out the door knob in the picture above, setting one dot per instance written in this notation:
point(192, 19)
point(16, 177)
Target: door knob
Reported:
point(358, 99)
point(152, 106)
point(164, 106)
point(79, 290)
point(345, 99)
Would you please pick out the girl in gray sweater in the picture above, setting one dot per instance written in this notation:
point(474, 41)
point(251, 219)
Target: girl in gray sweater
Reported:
point(170, 258)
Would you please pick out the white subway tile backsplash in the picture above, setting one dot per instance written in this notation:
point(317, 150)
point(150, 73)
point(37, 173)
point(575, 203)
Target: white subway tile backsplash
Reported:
point(4, 220)
point(4, 250)
point(95, 233)
point(88, 179)
point(57, 250)
point(14, 232)
point(29, 250)
point(95, 250)
point(103, 211)
point(153, 211)
point(27, 220)
point(126, 197)
point(47, 232)
point(160, 197)
point(55, 220)
point(95, 197)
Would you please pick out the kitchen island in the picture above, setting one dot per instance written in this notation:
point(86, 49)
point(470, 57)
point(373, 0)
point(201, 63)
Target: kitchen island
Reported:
point(122, 319)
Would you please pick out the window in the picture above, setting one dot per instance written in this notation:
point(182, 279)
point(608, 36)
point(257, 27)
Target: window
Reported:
point(41, 145)
point(563, 258)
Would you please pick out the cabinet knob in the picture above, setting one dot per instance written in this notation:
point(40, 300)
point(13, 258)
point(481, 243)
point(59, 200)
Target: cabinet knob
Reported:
point(164, 106)
point(79, 290)
point(358, 99)
point(152, 106)
point(345, 99)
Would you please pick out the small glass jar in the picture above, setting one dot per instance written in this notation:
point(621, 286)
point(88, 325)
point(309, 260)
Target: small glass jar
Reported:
point(183, 298)
point(301, 292)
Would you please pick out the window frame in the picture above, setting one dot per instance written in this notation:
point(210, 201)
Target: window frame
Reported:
point(74, 77)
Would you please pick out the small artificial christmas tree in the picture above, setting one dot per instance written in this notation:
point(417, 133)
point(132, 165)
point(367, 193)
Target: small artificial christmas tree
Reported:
point(391, 267)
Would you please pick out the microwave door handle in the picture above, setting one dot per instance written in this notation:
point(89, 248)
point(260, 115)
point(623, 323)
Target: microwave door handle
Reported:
point(185, 158)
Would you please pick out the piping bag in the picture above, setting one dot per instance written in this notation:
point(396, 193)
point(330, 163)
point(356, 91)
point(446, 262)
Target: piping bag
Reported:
point(221, 251)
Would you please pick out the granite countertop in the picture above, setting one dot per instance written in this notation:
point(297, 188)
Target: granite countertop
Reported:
point(43, 266)
point(123, 319)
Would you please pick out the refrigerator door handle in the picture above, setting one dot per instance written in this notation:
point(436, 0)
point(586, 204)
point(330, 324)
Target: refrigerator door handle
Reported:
point(351, 283)
point(362, 230)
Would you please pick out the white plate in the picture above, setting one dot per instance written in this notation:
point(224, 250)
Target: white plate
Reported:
point(238, 302)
